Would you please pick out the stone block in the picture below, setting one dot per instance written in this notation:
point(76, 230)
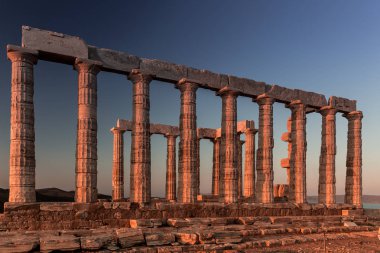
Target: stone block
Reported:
point(95, 242)
point(205, 78)
point(56, 206)
point(162, 70)
point(352, 212)
point(18, 243)
point(50, 243)
point(178, 222)
point(222, 237)
point(281, 93)
point(129, 237)
point(342, 104)
point(187, 238)
point(247, 86)
point(349, 224)
point(159, 238)
point(206, 236)
point(60, 47)
point(145, 223)
point(310, 98)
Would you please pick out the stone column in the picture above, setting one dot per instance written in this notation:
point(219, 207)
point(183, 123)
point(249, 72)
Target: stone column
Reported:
point(171, 178)
point(198, 176)
point(285, 162)
point(249, 166)
point(240, 167)
point(118, 164)
point(86, 152)
point(215, 166)
point(228, 182)
point(298, 155)
point(187, 166)
point(326, 187)
point(140, 174)
point(264, 161)
point(22, 162)
point(354, 159)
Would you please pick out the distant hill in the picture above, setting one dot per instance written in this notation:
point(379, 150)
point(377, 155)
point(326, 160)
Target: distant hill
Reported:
point(47, 195)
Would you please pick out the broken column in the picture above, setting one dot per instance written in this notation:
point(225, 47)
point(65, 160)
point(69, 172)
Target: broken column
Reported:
point(228, 183)
point(240, 166)
point(326, 187)
point(249, 165)
point(354, 159)
point(22, 162)
point(171, 178)
point(285, 162)
point(264, 161)
point(215, 166)
point(187, 166)
point(140, 174)
point(298, 155)
point(118, 164)
point(86, 152)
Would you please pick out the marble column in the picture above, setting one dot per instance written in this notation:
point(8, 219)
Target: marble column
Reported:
point(354, 159)
point(215, 166)
point(249, 165)
point(87, 127)
point(187, 166)
point(171, 178)
point(118, 164)
point(22, 162)
point(298, 155)
point(264, 160)
point(240, 144)
point(140, 174)
point(228, 183)
point(285, 162)
point(326, 187)
point(198, 175)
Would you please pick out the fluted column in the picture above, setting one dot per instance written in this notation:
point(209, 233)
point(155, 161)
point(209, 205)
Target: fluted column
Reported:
point(22, 161)
point(285, 162)
point(264, 161)
point(187, 166)
point(298, 155)
point(326, 187)
point(354, 159)
point(171, 178)
point(240, 167)
point(215, 166)
point(86, 152)
point(228, 182)
point(140, 174)
point(118, 164)
point(249, 165)
point(198, 175)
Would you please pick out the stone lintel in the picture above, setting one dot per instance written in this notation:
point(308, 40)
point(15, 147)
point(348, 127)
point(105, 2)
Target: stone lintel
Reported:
point(126, 125)
point(343, 105)
point(206, 133)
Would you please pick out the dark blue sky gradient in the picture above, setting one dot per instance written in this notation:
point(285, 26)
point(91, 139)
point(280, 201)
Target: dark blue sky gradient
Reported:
point(330, 47)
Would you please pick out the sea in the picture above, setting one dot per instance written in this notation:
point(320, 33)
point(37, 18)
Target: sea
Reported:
point(371, 206)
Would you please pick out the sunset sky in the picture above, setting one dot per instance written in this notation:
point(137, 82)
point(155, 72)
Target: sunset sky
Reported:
point(328, 46)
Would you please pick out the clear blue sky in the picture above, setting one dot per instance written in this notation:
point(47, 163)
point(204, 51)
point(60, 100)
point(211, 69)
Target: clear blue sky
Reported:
point(325, 46)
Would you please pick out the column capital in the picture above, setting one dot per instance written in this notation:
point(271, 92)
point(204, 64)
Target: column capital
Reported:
point(250, 131)
point(171, 135)
point(328, 110)
point(264, 99)
point(16, 53)
point(227, 91)
point(117, 130)
point(87, 66)
point(136, 76)
point(355, 115)
point(294, 104)
point(185, 84)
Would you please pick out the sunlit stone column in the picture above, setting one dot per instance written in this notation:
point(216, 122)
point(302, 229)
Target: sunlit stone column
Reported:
point(354, 159)
point(198, 176)
point(215, 166)
point(326, 188)
point(240, 166)
point(285, 162)
point(298, 155)
point(22, 162)
point(187, 166)
point(264, 161)
point(228, 183)
point(118, 164)
point(140, 174)
point(171, 178)
point(249, 165)
point(86, 152)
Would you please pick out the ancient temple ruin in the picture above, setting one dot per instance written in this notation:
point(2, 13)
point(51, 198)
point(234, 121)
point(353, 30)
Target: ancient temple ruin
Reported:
point(88, 61)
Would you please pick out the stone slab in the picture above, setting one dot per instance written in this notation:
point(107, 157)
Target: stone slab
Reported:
point(342, 104)
point(247, 86)
point(163, 70)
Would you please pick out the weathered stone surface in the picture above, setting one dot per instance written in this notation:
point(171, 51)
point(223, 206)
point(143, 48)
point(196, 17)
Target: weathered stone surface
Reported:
point(349, 224)
point(186, 238)
point(95, 242)
point(342, 104)
point(129, 237)
point(145, 223)
point(114, 61)
point(206, 133)
point(178, 222)
point(247, 86)
point(310, 98)
point(140, 176)
point(227, 237)
point(215, 167)
point(205, 78)
point(171, 172)
point(159, 238)
point(163, 70)
point(61, 47)
point(240, 167)
point(118, 164)
point(154, 128)
point(56, 206)
point(18, 243)
point(249, 166)
point(63, 243)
